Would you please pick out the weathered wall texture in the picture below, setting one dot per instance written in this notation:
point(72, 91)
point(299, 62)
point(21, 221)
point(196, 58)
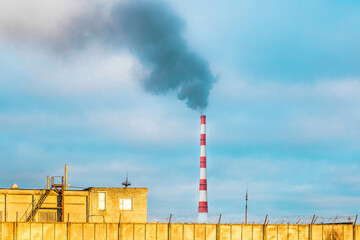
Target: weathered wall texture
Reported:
point(14, 203)
point(112, 211)
point(80, 206)
point(163, 231)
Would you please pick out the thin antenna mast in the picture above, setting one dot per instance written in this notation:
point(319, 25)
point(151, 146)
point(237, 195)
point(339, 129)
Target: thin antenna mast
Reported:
point(246, 199)
point(126, 183)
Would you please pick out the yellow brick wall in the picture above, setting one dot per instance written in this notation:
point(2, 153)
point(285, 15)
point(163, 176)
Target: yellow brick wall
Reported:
point(112, 211)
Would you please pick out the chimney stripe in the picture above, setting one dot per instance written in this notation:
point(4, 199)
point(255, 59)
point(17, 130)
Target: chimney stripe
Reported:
point(202, 173)
point(202, 151)
point(203, 119)
point(203, 204)
point(202, 181)
point(203, 210)
point(202, 129)
point(203, 196)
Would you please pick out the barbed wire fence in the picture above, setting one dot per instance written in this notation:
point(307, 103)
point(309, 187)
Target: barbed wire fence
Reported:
point(193, 218)
point(216, 219)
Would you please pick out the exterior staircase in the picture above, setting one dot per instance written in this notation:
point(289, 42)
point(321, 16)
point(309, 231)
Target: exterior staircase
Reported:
point(34, 207)
point(37, 206)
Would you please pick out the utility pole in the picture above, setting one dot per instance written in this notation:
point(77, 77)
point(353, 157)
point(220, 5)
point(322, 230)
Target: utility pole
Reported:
point(246, 199)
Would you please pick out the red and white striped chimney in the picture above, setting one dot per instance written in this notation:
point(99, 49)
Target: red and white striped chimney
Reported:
point(203, 204)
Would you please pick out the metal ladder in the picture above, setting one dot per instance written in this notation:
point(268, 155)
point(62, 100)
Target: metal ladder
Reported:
point(59, 188)
point(37, 206)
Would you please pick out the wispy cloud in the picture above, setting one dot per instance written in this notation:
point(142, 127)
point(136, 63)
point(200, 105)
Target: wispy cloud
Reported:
point(320, 112)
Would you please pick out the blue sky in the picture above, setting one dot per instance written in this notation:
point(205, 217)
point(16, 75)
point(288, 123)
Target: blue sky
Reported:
point(283, 116)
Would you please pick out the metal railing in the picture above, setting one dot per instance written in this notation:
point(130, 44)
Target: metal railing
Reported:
point(54, 180)
point(32, 204)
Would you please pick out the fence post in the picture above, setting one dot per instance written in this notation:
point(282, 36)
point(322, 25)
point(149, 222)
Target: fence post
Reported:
point(265, 219)
point(14, 231)
point(218, 228)
point(169, 227)
point(68, 231)
point(264, 227)
point(170, 218)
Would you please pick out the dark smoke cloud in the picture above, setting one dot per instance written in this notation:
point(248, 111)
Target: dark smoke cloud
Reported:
point(153, 33)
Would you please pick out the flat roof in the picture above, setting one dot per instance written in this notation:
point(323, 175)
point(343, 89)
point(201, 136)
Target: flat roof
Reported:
point(40, 191)
point(80, 192)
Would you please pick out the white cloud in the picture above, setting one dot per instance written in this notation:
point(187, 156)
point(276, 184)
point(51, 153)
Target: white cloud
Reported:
point(331, 202)
point(94, 73)
point(36, 20)
point(307, 112)
point(238, 89)
point(142, 126)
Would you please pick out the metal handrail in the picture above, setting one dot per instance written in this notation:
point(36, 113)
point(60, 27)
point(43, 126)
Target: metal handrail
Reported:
point(40, 193)
point(57, 177)
point(32, 202)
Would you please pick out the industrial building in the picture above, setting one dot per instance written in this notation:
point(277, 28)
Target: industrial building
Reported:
point(56, 203)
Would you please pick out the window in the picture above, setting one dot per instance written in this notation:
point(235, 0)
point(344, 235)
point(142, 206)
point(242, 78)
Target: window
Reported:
point(125, 204)
point(102, 200)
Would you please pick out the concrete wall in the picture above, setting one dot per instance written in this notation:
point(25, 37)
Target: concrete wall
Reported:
point(75, 208)
point(163, 231)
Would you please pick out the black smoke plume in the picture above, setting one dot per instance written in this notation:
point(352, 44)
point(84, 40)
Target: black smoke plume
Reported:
point(152, 32)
